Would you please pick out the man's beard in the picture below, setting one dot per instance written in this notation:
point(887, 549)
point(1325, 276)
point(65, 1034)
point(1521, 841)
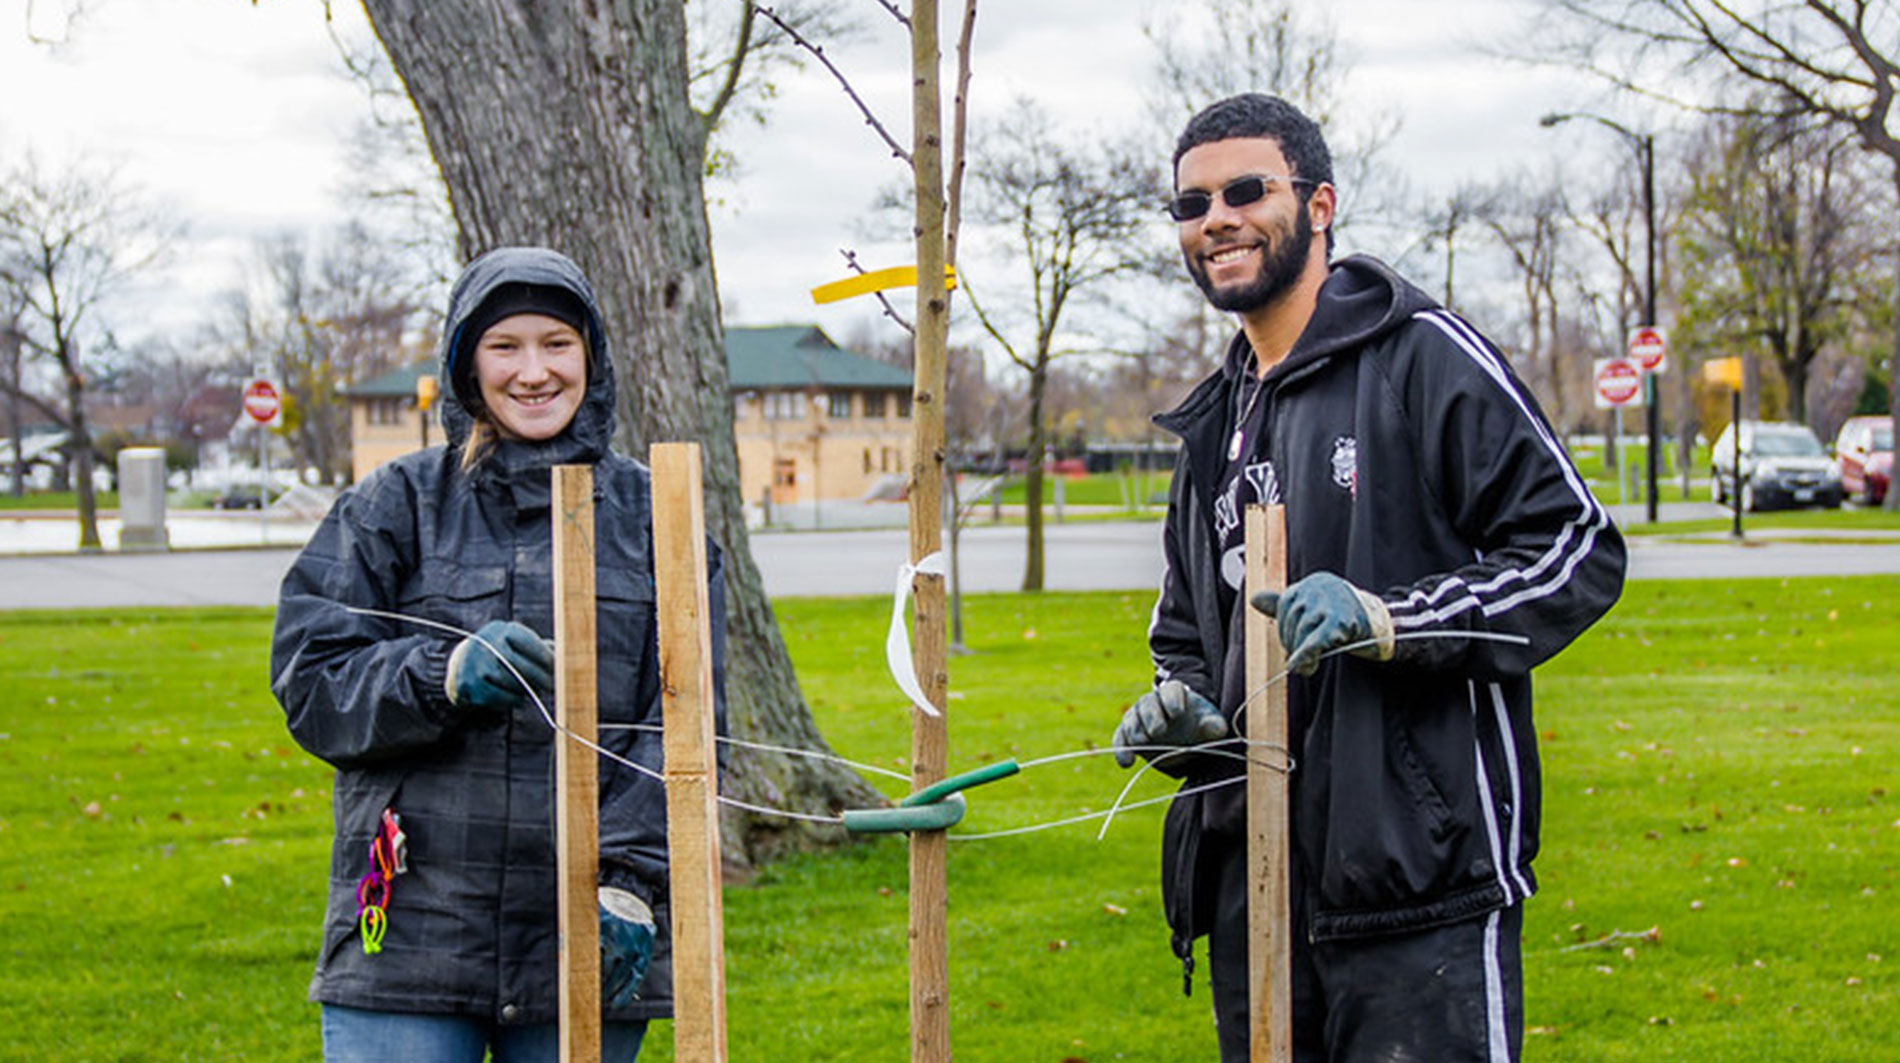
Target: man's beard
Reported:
point(1281, 262)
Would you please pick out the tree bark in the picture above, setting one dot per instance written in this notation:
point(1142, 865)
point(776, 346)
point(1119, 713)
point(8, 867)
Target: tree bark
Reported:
point(1892, 502)
point(1032, 475)
point(16, 419)
point(80, 440)
point(569, 125)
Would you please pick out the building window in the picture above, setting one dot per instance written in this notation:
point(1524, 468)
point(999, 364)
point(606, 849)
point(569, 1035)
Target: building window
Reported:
point(873, 404)
point(903, 404)
point(867, 459)
point(784, 473)
point(739, 404)
point(388, 411)
point(784, 406)
point(838, 404)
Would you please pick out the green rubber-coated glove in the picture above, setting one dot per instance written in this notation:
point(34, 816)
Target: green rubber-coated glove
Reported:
point(479, 679)
point(1322, 613)
point(1169, 717)
point(626, 946)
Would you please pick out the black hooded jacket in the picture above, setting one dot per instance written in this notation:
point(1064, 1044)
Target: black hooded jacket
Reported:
point(1413, 463)
point(472, 922)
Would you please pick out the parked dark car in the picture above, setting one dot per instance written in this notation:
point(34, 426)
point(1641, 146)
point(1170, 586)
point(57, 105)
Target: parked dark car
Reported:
point(1865, 452)
point(240, 498)
point(1783, 464)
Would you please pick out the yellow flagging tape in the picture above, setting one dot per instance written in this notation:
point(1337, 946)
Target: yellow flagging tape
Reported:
point(876, 281)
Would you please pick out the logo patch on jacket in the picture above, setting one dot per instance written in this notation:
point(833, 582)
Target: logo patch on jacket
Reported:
point(1346, 464)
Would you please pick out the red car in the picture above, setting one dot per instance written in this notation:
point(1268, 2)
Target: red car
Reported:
point(1865, 451)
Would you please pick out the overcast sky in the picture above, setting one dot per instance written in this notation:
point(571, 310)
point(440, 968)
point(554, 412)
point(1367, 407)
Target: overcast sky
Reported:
point(235, 116)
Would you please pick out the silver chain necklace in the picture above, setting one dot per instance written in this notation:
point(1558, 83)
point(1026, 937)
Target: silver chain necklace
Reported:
point(1240, 416)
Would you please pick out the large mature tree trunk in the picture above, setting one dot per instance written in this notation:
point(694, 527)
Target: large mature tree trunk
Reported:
point(569, 125)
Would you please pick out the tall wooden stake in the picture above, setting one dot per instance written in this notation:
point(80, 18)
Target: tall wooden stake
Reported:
point(929, 871)
point(1269, 901)
point(692, 771)
point(576, 766)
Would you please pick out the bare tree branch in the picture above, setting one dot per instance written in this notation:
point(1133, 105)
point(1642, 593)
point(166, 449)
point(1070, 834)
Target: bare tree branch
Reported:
point(890, 310)
point(895, 12)
point(959, 134)
point(735, 66)
point(818, 52)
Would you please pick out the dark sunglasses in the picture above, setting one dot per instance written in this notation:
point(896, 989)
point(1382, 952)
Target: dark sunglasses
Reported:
point(1236, 193)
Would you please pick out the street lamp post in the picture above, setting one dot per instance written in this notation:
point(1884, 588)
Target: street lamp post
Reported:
point(1645, 146)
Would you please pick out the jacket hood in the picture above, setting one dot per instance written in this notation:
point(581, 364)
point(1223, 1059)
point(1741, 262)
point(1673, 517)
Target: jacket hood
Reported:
point(588, 437)
point(1361, 300)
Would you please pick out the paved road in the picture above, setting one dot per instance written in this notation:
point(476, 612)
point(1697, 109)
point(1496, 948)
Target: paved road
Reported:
point(1113, 556)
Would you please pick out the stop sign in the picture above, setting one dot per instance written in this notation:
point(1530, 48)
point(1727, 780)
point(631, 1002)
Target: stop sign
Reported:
point(1618, 382)
point(262, 402)
point(1648, 348)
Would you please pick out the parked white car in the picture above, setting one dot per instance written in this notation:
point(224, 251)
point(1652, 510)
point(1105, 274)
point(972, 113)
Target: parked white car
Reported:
point(1782, 464)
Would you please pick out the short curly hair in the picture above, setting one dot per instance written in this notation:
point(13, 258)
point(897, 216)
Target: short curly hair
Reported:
point(1253, 114)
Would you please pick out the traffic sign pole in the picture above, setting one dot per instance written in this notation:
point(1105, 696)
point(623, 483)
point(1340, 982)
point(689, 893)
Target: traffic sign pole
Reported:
point(264, 405)
point(1649, 349)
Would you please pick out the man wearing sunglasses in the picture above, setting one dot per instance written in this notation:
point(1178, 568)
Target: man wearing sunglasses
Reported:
point(1439, 545)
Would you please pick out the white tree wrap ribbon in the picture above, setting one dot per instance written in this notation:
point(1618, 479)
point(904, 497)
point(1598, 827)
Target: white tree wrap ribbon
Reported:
point(897, 644)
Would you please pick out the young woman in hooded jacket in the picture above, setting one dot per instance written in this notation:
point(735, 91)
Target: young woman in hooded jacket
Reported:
point(409, 634)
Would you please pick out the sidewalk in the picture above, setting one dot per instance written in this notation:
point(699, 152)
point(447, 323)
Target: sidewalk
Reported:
point(57, 532)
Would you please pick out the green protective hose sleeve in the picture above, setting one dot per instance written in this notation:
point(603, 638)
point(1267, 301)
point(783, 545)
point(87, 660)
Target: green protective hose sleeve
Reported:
point(939, 815)
point(936, 792)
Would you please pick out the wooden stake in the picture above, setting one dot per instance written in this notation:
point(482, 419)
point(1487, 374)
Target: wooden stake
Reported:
point(692, 770)
point(1269, 900)
point(929, 865)
point(576, 766)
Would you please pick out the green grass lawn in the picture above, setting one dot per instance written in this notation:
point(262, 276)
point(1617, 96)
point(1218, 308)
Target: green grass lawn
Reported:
point(1718, 759)
point(56, 500)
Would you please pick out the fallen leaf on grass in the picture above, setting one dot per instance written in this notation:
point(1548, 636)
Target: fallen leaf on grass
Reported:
point(1057, 945)
point(1114, 909)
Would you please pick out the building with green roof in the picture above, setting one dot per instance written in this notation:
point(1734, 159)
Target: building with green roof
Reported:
point(812, 420)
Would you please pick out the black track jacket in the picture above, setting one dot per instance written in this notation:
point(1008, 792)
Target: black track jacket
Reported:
point(1413, 463)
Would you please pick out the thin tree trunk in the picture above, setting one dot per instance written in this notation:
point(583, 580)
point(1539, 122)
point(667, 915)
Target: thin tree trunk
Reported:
point(16, 412)
point(1892, 502)
point(570, 126)
point(81, 442)
point(1032, 479)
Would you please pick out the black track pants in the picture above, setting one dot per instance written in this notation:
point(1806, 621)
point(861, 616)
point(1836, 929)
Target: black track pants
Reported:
point(1450, 994)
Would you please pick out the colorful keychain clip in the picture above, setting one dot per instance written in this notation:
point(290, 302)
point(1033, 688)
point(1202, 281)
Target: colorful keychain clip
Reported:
point(388, 857)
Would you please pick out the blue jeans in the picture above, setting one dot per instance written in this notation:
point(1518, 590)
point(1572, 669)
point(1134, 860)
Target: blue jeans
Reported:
point(356, 1035)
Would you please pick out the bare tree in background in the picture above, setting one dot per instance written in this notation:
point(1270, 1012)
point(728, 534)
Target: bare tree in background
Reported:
point(71, 238)
point(1070, 218)
point(1834, 60)
point(1444, 223)
point(1211, 49)
point(1525, 216)
point(1778, 238)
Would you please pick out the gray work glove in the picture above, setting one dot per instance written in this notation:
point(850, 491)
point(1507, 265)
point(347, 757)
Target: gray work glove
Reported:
point(478, 679)
point(1169, 717)
point(1323, 612)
